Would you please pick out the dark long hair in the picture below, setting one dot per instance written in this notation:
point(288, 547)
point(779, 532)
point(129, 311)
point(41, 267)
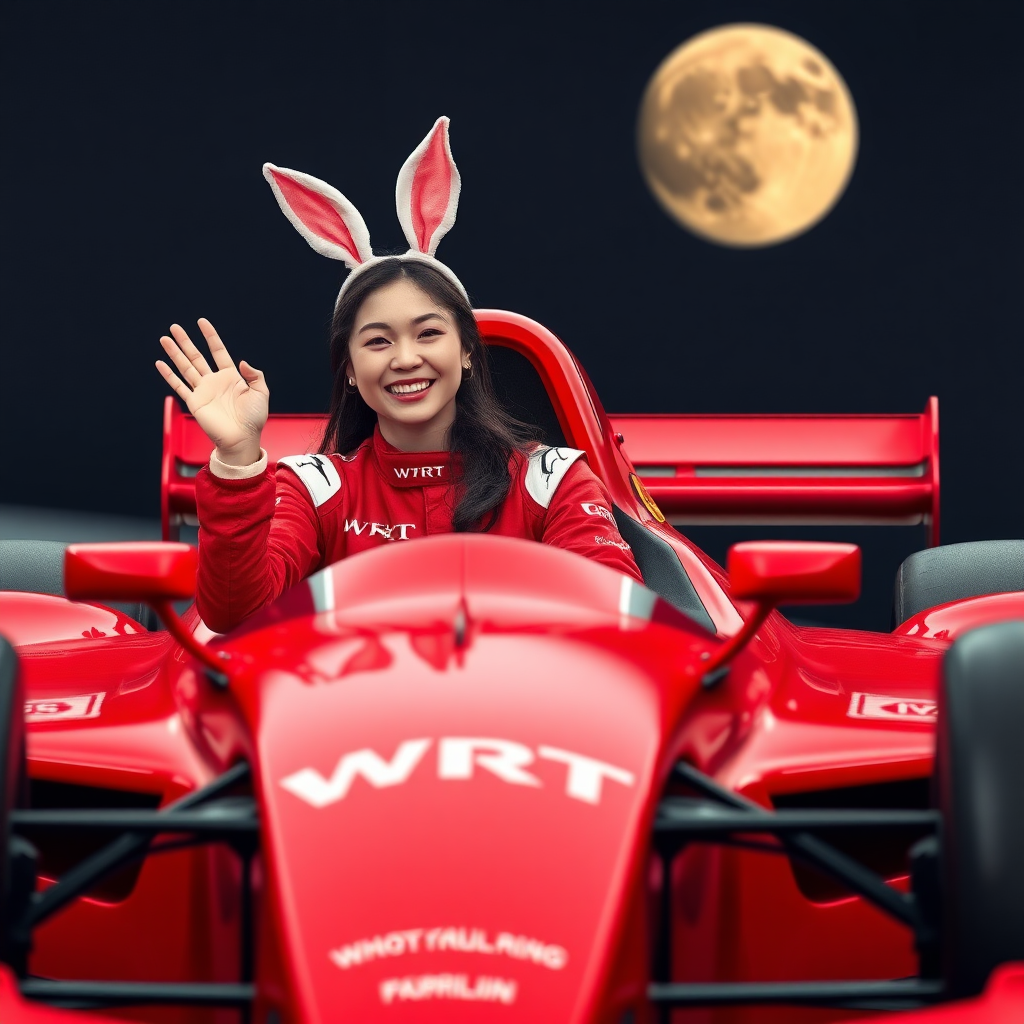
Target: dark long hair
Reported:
point(483, 434)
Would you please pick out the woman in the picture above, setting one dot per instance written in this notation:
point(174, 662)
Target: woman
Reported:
point(420, 445)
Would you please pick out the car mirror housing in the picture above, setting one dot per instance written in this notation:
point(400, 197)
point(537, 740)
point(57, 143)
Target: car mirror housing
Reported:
point(774, 572)
point(150, 571)
point(156, 572)
point(795, 572)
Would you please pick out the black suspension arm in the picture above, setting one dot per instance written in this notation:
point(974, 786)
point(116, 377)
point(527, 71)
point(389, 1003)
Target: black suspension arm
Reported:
point(822, 855)
point(84, 876)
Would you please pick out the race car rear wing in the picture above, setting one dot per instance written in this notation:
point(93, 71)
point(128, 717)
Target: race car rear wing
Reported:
point(809, 469)
point(700, 469)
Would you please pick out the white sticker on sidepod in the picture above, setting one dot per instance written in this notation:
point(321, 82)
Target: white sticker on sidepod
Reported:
point(62, 709)
point(893, 709)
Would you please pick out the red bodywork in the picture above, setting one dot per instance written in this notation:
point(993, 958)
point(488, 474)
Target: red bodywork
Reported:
point(796, 468)
point(458, 746)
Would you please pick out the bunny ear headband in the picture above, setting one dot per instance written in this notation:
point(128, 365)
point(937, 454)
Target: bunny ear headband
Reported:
point(427, 195)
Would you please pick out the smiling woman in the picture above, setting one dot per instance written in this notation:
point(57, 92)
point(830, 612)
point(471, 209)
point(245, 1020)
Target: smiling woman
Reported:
point(416, 442)
point(402, 327)
point(409, 369)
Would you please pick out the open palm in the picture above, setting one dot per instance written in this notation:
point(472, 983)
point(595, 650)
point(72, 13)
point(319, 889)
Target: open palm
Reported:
point(230, 404)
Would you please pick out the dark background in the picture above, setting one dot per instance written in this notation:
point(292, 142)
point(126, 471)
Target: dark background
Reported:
point(134, 135)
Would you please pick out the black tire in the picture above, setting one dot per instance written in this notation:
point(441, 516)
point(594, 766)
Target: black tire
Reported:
point(955, 571)
point(13, 793)
point(980, 788)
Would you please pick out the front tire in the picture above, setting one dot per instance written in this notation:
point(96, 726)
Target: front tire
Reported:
point(980, 786)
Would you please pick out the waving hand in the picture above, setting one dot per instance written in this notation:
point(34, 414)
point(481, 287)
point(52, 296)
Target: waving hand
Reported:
point(231, 405)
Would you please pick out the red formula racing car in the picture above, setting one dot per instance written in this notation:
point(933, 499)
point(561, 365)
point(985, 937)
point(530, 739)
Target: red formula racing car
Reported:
point(481, 779)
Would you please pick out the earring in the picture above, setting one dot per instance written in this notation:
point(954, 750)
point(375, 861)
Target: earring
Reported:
point(352, 381)
point(469, 367)
point(351, 389)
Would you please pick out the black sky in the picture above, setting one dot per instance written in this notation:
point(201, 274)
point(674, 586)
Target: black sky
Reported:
point(134, 139)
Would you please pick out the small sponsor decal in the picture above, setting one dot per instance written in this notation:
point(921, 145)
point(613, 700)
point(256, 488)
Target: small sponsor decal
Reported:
point(609, 542)
point(419, 472)
point(63, 709)
point(318, 474)
point(443, 940)
point(593, 509)
point(481, 989)
point(645, 497)
point(385, 530)
point(893, 709)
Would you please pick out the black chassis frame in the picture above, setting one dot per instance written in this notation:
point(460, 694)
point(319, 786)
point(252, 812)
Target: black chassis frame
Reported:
point(719, 815)
point(208, 815)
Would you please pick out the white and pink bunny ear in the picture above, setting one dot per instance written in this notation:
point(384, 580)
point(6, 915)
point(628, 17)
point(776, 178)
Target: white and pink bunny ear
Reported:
point(322, 215)
point(428, 191)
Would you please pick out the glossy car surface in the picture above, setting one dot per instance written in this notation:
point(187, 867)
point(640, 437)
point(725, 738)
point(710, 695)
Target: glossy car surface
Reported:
point(459, 755)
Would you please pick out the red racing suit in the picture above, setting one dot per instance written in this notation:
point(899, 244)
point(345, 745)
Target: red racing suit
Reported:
point(262, 531)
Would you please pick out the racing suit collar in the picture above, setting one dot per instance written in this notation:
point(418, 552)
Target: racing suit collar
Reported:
point(411, 469)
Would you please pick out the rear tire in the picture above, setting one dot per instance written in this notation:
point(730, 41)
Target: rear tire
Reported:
point(980, 786)
point(954, 572)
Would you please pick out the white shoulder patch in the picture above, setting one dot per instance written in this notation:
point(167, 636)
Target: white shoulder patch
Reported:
point(546, 468)
point(317, 472)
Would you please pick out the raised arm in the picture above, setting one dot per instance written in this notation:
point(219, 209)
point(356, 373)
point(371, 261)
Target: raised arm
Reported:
point(252, 544)
point(230, 404)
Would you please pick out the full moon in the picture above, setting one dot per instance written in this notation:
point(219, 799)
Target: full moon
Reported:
point(747, 135)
